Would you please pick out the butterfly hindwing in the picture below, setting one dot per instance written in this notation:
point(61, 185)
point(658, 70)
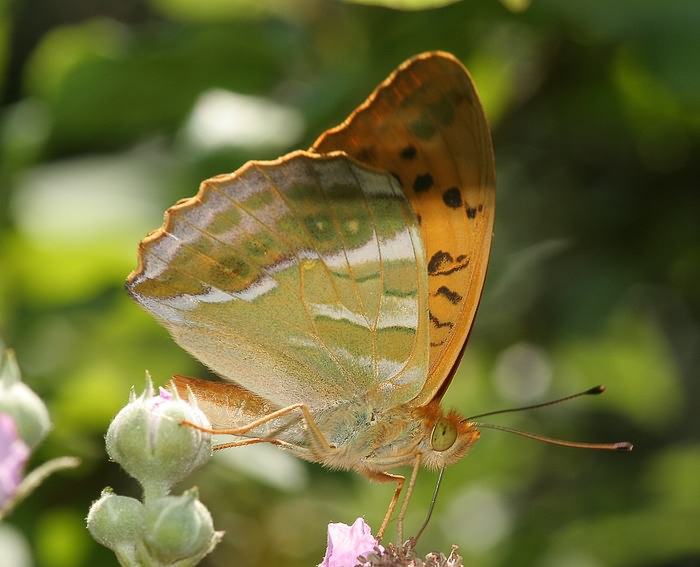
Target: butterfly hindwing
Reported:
point(301, 279)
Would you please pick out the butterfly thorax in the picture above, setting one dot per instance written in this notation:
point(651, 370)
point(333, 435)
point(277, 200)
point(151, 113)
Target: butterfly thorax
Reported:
point(367, 439)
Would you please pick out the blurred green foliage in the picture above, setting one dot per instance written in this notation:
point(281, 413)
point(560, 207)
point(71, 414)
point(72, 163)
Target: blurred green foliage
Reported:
point(595, 272)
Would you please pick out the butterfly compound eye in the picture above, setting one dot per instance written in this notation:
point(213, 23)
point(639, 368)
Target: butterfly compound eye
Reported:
point(444, 435)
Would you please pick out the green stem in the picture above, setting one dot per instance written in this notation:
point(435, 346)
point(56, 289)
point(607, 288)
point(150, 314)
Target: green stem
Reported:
point(35, 478)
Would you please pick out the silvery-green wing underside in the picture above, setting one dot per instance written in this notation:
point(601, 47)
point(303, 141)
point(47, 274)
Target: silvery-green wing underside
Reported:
point(302, 280)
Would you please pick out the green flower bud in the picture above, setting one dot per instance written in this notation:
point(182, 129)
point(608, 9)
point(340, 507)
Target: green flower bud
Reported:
point(117, 523)
point(148, 440)
point(179, 528)
point(18, 401)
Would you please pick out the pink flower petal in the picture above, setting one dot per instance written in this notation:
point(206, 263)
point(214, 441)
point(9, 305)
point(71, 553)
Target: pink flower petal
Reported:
point(165, 394)
point(159, 399)
point(345, 543)
point(14, 453)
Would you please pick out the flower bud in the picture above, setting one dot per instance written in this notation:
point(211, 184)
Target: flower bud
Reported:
point(117, 523)
point(148, 440)
point(179, 527)
point(18, 401)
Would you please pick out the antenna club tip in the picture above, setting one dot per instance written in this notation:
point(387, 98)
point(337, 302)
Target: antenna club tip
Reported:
point(624, 446)
point(596, 390)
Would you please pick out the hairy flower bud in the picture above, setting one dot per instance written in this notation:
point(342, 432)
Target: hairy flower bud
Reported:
point(179, 527)
point(147, 438)
point(117, 523)
point(19, 402)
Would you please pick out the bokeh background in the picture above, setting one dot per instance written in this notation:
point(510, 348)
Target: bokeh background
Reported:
point(114, 109)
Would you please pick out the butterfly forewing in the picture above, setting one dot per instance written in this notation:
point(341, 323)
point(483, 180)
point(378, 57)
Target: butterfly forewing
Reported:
point(425, 125)
point(302, 280)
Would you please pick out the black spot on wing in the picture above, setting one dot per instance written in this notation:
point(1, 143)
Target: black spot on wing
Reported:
point(438, 261)
point(452, 198)
point(408, 153)
point(471, 212)
point(423, 182)
point(443, 264)
point(452, 270)
point(451, 296)
point(437, 323)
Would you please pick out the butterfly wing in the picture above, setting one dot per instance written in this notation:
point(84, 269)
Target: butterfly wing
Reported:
point(301, 279)
point(425, 124)
point(226, 405)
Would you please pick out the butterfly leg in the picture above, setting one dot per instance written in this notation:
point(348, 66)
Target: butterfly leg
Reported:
point(255, 440)
point(399, 480)
point(388, 477)
point(317, 435)
point(407, 499)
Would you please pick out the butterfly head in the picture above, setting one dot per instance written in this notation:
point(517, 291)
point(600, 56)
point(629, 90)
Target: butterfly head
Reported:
point(450, 437)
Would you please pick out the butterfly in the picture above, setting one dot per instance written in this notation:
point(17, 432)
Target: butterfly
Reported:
point(334, 289)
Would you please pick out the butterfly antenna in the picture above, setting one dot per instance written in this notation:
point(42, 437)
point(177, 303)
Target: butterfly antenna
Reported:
point(590, 392)
point(622, 446)
point(596, 390)
point(432, 505)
